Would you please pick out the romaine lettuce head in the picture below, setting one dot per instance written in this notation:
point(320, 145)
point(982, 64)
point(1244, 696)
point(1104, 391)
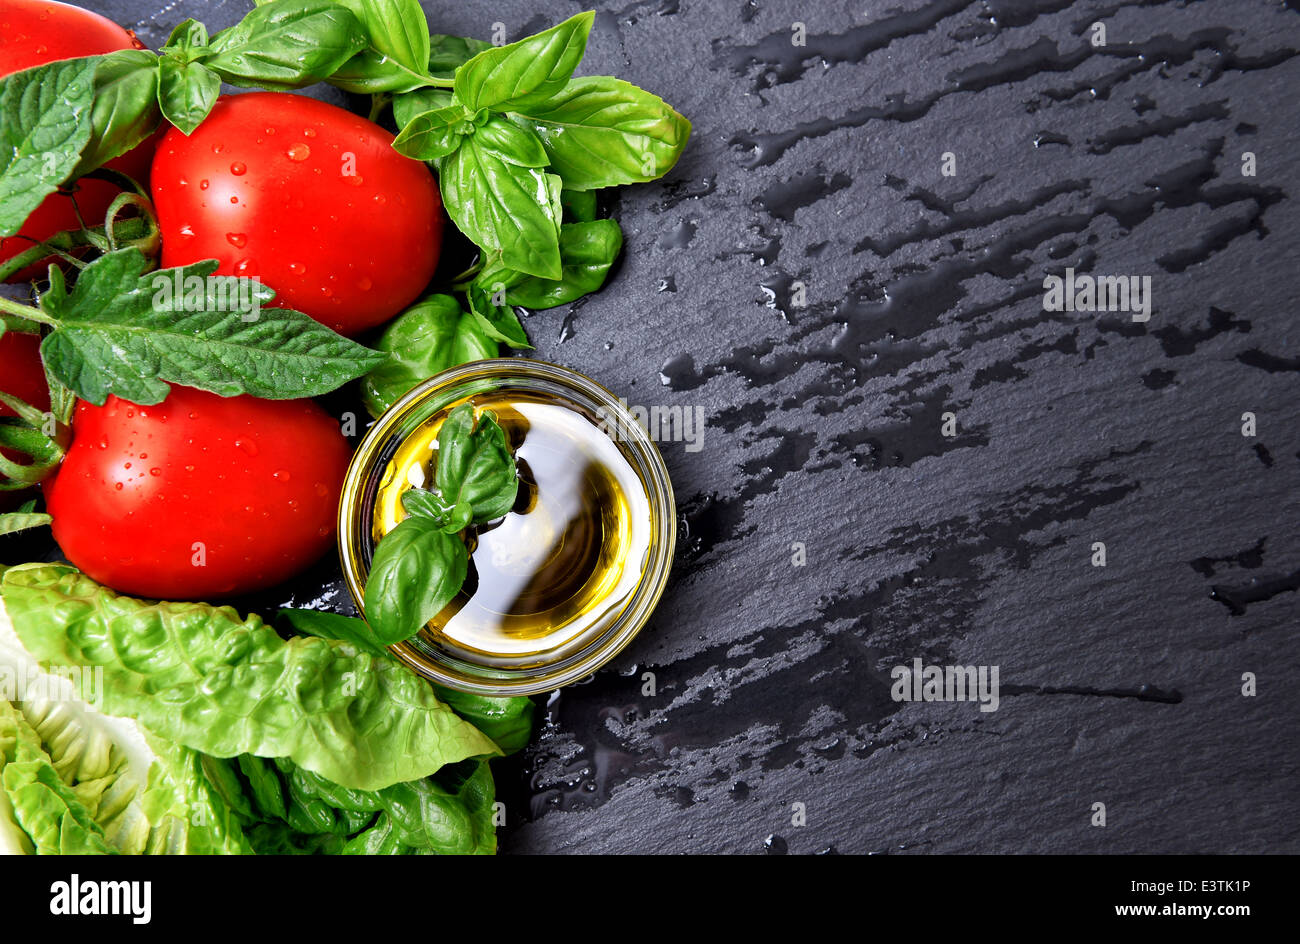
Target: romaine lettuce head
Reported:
point(136, 727)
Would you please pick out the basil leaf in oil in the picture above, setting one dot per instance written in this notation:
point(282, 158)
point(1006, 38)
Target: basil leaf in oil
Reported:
point(475, 465)
point(416, 571)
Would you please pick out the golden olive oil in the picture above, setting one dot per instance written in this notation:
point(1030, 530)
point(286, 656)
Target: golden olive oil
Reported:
point(565, 561)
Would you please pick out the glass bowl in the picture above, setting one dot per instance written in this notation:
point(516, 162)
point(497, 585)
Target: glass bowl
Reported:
point(468, 669)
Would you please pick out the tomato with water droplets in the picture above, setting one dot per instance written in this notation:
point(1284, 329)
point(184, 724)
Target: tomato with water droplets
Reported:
point(32, 33)
point(199, 497)
point(308, 198)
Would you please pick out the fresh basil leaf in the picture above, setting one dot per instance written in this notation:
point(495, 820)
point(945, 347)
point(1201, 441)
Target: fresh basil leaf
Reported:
point(587, 250)
point(424, 340)
point(451, 518)
point(200, 676)
point(334, 626)
point(508, 142)
point(406, 105)
point(126, 107)
point(475, 465)
point(395, 57)
point(603, 132)
point(188, 41)
point(123, 333)
point(507, 721)
point(579, 205)
point(287, 45)
point(435, 134)
point(497, 321)
point(511, 212)
point(46, 118)
point(186, 92)
point(417, 570)
point(448, 53)
point(508, 77)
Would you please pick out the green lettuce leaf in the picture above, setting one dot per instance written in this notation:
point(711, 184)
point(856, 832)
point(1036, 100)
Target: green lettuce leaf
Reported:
point(201, 677)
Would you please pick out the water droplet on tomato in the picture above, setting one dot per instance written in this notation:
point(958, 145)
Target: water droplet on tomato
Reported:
point(365, 284)
point(189, 468)
point(155, 471)
point(355, 180)
point(103, 442)
point(187, 231)
point(217, 148)
point(280, 475)
point(239, 168)
point(309, 132)
point(299, 152)
point(297, 268)
point(325, 290)
point(245, 267)
point(247, 446)
point(183, 182)
point(234, 199)
point(380, 199)
point(117, 486)
point(322, 489)
point(238, 240)
point(126, 465)
point(203, 185)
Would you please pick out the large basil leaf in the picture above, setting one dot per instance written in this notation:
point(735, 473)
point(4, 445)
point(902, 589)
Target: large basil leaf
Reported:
point(286, 45)
point(186, 92)
point(603, 132)
point(120, 332)
point(510, 211)
point(587, 251)
point(424, 340)
point(396, 58)
point(46, 118)
point(416, 571)
point(201, 677)
point(475, 465)
point(506, 77)
point(126, 107)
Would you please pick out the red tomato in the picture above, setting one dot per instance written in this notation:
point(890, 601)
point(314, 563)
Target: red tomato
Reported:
point(32, 33)
point(308, 198)
point(21, 373)
point(200, 496)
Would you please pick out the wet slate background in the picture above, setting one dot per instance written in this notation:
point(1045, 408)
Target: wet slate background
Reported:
point(821, 165)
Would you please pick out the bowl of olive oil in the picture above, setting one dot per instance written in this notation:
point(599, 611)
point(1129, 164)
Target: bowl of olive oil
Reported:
point(561, 583)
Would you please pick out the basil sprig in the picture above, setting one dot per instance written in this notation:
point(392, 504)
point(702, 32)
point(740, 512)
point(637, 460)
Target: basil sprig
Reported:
point(420, 566)
point(517, 130)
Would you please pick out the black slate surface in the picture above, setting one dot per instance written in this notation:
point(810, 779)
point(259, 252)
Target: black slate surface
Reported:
point(821, 164)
